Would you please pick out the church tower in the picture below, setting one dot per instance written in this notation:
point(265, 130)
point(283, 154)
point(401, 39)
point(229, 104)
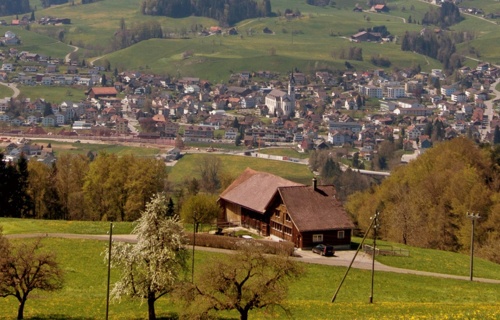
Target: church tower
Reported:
point(291, 95)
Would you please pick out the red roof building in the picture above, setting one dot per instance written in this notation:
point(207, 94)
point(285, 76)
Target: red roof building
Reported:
point(100, 92)
point(286, 210)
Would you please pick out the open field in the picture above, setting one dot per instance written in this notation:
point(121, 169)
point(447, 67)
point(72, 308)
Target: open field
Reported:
point(63, 147)
point(33, 42)
point(234, 166)
point(286, 152)
point(396, 296)
point(437, 261)
point(54, 94)
point(84, 148)
point(5, 92)
point(16, 226)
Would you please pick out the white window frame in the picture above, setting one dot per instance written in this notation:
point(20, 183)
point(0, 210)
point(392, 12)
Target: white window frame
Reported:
point(340, 234)
point(317, 237)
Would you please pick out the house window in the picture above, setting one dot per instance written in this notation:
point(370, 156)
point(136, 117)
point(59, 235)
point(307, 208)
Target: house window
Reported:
point(287, 230)
point(340, 234)
point(277, 213)
point(287, 218)
point(317, 237)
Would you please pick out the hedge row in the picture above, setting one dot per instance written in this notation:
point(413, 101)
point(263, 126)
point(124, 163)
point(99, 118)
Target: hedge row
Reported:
point(232, 243)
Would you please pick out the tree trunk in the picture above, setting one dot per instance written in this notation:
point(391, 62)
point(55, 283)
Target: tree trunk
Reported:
point(20, 310)
point(151, 306)
point(243, 314)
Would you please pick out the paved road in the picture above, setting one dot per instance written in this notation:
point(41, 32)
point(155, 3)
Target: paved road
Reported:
point(341, 258)
point(67, 58)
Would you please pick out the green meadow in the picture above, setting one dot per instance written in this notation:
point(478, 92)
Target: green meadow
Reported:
point(311, 42)
point(5, 92)
point(63, 147)
point(235, 165)
point(54, 94)
point(396, 296)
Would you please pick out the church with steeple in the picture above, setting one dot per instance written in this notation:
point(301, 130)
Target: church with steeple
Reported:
point(281, 103)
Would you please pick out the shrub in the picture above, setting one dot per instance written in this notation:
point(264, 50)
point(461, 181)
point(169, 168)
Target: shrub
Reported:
point(232, 243)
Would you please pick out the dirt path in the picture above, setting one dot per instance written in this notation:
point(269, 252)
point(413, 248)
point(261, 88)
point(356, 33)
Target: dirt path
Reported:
point(341, 258)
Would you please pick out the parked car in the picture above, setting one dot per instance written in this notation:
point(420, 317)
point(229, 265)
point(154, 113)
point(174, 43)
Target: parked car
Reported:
point(324, 250)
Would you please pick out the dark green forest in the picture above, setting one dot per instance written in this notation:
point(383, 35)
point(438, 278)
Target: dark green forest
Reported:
point(446, 15)
point(48, 3)
point(227, 12)
point(10, 7)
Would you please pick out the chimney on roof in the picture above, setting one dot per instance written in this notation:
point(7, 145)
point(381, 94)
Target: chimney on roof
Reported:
point(315, 184)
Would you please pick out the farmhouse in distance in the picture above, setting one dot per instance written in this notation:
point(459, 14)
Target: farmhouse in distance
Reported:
point(286, 210)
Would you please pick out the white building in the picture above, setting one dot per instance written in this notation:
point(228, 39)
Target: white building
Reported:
point(371, 91)
point(395, 92)
point(280, 102)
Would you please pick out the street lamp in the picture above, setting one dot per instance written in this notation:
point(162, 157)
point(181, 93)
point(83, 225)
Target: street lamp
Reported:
point(375, 226)
point(473, 217)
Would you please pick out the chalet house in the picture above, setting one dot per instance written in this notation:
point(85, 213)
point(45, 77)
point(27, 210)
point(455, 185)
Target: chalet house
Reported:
point(366, 36)
point(380, 8)
point(286, 210)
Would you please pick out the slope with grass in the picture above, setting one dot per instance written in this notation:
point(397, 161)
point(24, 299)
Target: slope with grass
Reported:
point(395, 295)
point(234, 166)
point(309, 43)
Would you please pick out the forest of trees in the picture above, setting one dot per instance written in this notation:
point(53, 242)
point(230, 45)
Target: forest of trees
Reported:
point(440, 46)
point(446, 15)
point(320, 3)
point(425, 203)
point(10, 7)
point(351, 53)
point(106, 187)
point(48, 3)
point(109, 188)
point(227, 12)
point(436, 46)
point(125, 37)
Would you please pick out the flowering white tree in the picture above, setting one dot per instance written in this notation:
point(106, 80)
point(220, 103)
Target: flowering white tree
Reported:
point(152, 267)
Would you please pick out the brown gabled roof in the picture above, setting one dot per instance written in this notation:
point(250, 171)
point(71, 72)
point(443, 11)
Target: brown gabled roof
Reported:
point(315, 209)
point(104, 91)
point(254, 189)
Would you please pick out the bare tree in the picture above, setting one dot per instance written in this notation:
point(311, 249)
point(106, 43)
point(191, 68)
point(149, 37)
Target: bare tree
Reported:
point(24, 268)
point(248, 280)
point(209, 168)
point(151, 268)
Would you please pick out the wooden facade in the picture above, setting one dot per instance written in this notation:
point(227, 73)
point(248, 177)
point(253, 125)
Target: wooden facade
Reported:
point(304, 215)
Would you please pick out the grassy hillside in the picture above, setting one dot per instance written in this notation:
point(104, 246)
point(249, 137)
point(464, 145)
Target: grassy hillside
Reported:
point(318, 37)
point(234, 166)
point(18, 226)
point(395, 295)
